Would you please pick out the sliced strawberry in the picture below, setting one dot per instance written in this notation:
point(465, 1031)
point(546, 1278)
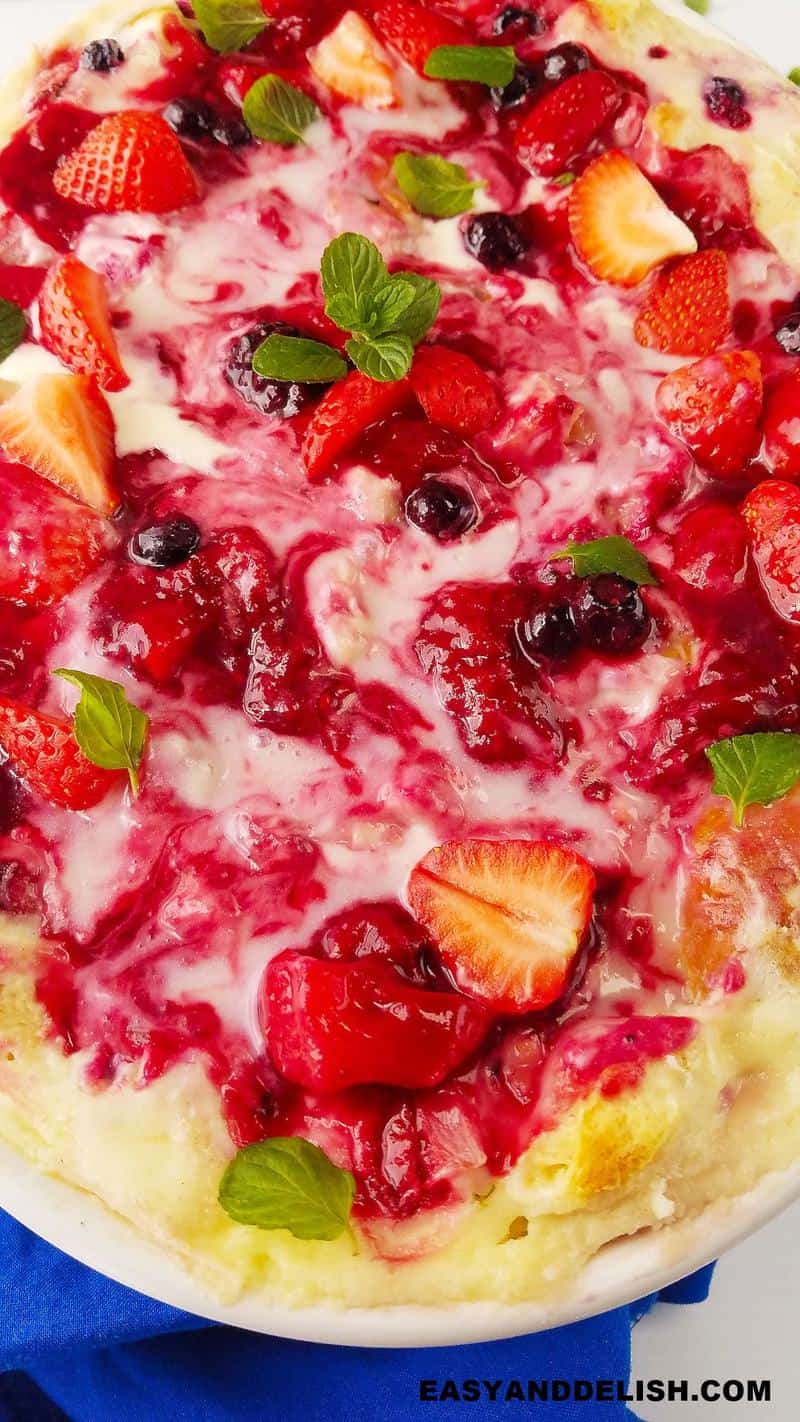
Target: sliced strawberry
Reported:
point(351, 61)
point(75, 324)
point(715, 406)
point(44, 753)
point(688, 312)
point(559, 129)
point(413, 30)
point(507, 917)
point(131, 162)
point(621, 228)
point(772, 514)
point(453, 390)
point(333, 1025)
point(61, 426)
point(48, 543)
point(348, 409)
point(782, 426)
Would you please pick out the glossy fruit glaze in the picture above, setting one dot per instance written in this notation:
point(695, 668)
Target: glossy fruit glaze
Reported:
point(343, 674)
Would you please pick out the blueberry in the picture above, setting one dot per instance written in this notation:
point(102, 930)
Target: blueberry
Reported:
point(726, 101)
point(270, 397)
point(610, 615)
point(526, 82)
point(548, 632)
point(443, 510)
point(495, 239)
point(231, 132)
point(165, 544)
point(565, 61)
point(788, 334)
point(526, 22)
point(190, 118)
point(102, 55)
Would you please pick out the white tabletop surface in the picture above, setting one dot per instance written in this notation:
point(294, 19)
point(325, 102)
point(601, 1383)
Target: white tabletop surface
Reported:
point(748, 1327)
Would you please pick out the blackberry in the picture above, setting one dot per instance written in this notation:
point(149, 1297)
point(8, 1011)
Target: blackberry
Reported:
point(523, 22)
point(270, 397)
point(102, 55)
point(443, 510)
point(788, 334)
point(610, 615)
point(726, 102)
point(190, 118)
point(165, 544)
point(495, 239)
point(564, 61)
point(549, 631)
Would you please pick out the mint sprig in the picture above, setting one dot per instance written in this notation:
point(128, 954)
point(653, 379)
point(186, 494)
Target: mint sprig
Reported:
point(12, 327)
point(110, 731)
point(276, 111)
point(296, 358)
point(755, 770)
point(288, 1183)
point(385, 315)
point(433, 185)
point(228, 25)
point(493, 65)
point(614, 554)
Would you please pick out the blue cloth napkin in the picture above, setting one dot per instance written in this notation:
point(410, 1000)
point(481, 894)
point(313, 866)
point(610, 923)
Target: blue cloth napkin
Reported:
point(74, 1345)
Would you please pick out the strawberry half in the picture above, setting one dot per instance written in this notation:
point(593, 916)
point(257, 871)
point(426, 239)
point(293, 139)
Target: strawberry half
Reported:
point(688, 311)
point(558, 130)
point(772, 514)
point(61, 427)
point(715, 406)
point(349, 408)
point(507, 917)
point(131, 162)
point(414, 31)
point(48, 543)
point(453, 391)
point(620, 226)
point(75, 324)
point(351, 61)
point(782, 426)
point(44, 753)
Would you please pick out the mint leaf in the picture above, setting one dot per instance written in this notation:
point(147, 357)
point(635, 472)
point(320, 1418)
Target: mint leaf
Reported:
point(295, 358)
point(276, 111)
point(12, 327)
point(433, 185)
point(382, 357)
point(609, 555)
point(388, 305)
point(228, 25)
point(352, 269)
point(564, 180)
point(794, 75)
point(418, 318)
point(755, 770)
point(700, 7)
point(109, 730)
point(494, 65)
point(288, 1183)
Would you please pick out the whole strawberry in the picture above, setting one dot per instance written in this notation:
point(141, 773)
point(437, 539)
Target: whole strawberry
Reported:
point(131, 162)
point(44, 753)
point(715, 406)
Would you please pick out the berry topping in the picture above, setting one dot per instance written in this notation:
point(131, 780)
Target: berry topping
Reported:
point(348, 409)
point(559, 129)
point(102, 55)
point(522, 22)
point(130, 162)
point(712, 194)
point(48, 543)
point(726, 102)
point(495, 239)
point(788, 334)
point(772, 514)
point(413, 30)
point(189, 118)
point(75, 324)
point(610, 615)
point(507, 918)
point(526, 81)
point(61, 427)
point(351, 62)
point(164, 545)
point(621, 228)
point(270, 397)
point(443, 510)
point(782, 426)
point(331, 1025)
point(688, 312)
point(43, 751)
point(564, 61)
point(453, 391)
point(715, 406)
point(548, 631)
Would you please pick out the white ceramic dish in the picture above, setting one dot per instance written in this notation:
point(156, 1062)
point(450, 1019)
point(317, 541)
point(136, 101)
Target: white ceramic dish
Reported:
point(622, 1272)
